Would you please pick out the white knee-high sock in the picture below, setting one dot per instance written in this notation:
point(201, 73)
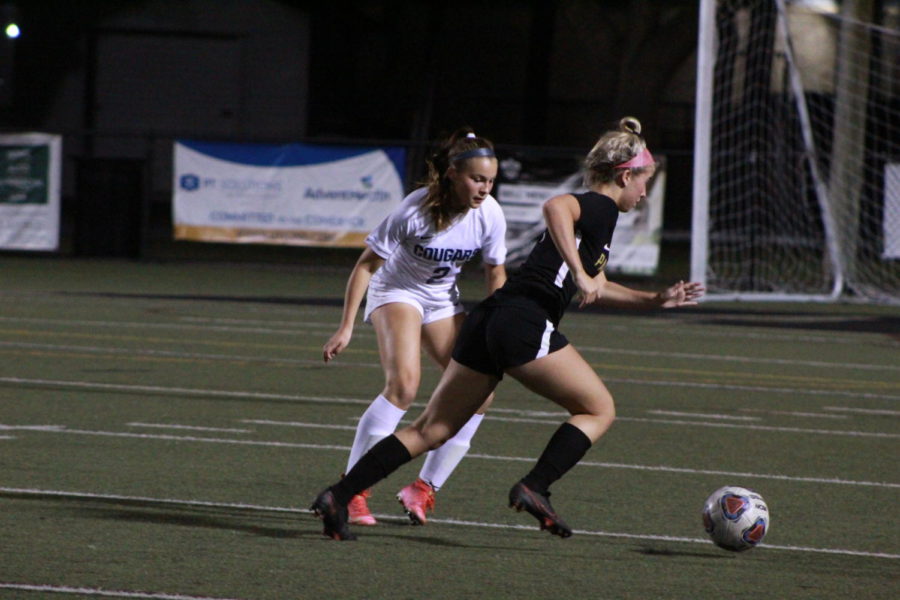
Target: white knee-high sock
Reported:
point(440, 463)
point(379, 421)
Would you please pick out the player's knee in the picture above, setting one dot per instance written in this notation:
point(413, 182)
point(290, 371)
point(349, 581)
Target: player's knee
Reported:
point(434, 444)
point(609, 409)
point(433, 435)
point(610, 412)
point(401, 389)
point(603, 408)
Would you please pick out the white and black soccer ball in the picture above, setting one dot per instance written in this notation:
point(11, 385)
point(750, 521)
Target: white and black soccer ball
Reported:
point(736, 518)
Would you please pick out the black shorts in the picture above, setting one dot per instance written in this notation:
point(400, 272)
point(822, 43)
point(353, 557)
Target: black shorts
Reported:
point(498, 335)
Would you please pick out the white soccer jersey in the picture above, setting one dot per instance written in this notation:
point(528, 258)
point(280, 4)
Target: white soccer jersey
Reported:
point(426, 263)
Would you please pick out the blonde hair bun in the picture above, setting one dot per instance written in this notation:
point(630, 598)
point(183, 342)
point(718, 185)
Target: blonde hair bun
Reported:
point(630, 124)
point(613, 148)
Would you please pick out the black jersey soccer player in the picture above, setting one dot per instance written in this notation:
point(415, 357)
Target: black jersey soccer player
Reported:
point(514, 332)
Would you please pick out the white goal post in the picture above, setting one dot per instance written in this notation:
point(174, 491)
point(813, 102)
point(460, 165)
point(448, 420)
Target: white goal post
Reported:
point(797, 152)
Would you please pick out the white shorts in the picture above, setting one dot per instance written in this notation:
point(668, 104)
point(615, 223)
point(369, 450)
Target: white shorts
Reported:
point(430, 312)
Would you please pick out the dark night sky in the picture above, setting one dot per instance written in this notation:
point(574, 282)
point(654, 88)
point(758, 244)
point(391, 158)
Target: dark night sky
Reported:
point(401, 69)
point(540, 73)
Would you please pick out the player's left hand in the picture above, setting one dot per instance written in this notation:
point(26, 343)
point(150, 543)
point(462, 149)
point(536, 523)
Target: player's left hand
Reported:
point(681, 294)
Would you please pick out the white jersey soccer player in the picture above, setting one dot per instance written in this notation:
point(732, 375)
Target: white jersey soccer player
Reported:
point(408, 274)
point(421, 265)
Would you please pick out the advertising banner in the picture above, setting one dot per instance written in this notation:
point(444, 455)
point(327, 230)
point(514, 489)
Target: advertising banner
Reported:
point(30, 165)
point(294, 194)
point(635, 244)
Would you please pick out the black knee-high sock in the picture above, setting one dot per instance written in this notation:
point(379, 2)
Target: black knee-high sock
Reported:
point(567, 446)
point(381, 460)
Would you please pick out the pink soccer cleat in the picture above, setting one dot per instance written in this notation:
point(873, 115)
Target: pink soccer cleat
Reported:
point(417, 498)
point(359, 510)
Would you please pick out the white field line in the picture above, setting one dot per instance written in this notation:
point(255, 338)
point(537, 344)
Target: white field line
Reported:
point(189, 427)
point(301, 332)
point(649, 325)
point(553, 414)
point(327, 399)
point(736, 474)
point(346, 364)
point(863, 434)
point(562, 415)
point(754, 388)
point(173, 354)
point(153, 389)
point(204, 440)
point(795, 413)
point(298, 424)
point(709, 332)
point(864, 411)
point(145, 325)
point(456, 522)
point(743, 359)
point(604, 465)
point(86, 591)
point(675, 413)
point(257, 322)
point(255, 308)
point(608, 465)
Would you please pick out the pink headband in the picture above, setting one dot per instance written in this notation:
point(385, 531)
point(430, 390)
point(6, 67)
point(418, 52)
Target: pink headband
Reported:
point(644, 159)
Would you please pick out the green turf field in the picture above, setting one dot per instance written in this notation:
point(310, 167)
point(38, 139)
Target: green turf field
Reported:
point(164, 427)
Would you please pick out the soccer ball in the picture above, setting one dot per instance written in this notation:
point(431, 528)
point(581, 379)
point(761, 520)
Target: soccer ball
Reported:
point(736, 518)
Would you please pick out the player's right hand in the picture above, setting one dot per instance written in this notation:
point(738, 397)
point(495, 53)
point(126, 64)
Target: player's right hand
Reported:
point(336, 344)
point(588, 289)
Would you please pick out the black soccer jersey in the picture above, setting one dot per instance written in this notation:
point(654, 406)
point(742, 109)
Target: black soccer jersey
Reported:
point(545, 276)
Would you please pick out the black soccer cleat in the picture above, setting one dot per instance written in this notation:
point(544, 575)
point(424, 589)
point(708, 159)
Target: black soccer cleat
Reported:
point(333, 515)
point(538, 505)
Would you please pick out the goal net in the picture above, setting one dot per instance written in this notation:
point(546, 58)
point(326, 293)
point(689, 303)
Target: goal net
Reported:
point(797, 152)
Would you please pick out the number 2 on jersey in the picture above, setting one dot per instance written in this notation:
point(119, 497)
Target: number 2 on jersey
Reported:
point(439, 274)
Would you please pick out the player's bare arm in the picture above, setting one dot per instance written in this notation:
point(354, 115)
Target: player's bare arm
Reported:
point(365, 267)
point(494, 277)
point(561, 212)
point(679, 294)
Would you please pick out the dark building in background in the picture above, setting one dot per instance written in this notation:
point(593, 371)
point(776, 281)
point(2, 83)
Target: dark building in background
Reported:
point(120, 80)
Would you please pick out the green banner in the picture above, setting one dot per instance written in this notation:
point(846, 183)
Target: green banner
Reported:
point(24, 174)
point(30, 173)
